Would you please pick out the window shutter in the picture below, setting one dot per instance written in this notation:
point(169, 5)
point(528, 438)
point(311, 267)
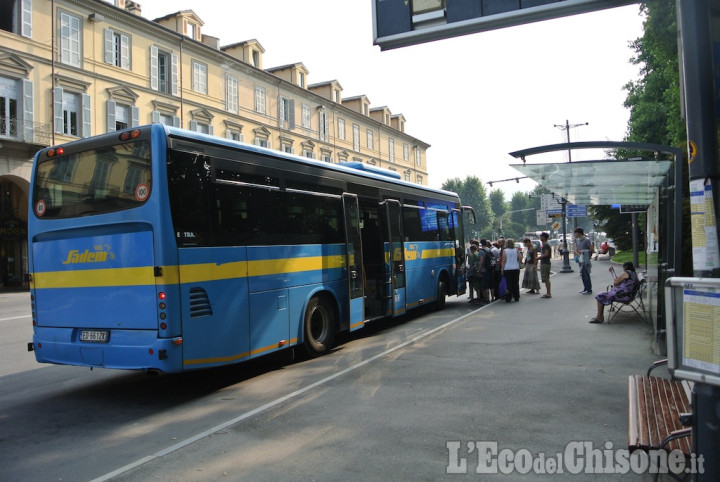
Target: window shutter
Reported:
point(291, 117)
point(155, 117)
point(154, 83)
point(110, 117)
point(211, 130)
point(27, 119)
point(228, 134)
point(86, 119)
point(134, 116)
point(174, 75)
point(124, 51)
point(193, 126)
point(26, 18)
point(109, 50)
point(58, 108)
point(176, 121)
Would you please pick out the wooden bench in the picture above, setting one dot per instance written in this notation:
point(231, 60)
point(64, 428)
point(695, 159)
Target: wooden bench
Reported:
point(635, 303)
point(654, 408)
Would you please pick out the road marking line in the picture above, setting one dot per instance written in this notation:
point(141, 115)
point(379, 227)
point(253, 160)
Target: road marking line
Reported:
point(15, 317)
point(269, 405)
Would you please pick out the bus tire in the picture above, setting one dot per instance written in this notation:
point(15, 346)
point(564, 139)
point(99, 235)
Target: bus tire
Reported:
point(441, 294)
point(319, 326)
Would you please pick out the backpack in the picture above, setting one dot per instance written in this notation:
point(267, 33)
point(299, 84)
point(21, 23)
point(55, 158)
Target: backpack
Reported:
point(490, 260)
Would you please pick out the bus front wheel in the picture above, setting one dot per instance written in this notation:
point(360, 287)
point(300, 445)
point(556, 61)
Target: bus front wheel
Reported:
point(319, 326)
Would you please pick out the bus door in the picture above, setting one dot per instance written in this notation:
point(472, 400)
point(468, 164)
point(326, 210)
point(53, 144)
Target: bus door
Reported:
point(396, 260)
point(354, 263)
point(458, 281)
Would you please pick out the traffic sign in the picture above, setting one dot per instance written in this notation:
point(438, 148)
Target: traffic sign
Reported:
point(576, 210)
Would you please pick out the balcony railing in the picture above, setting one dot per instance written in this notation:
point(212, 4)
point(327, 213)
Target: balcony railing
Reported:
point(25, 131)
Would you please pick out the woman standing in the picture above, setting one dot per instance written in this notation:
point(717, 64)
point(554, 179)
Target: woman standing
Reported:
point(530, 280)
point(510, 268)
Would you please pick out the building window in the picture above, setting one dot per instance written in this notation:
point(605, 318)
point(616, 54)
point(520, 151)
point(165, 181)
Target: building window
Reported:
point(191, 30)
point(202, 127)
point(301, 79)
point(256, 58)
point(70, 40)
point(117, 49)
point(407, 176)
point(418, 160)
point(232, 99)
point(306, 116)
point(341, 129)
point(324, 127)
point(356, 137)
point(71, 112)
point(8, 108)
point(406, 152)
point(391, 149)
point(337, 96)
point(16, 17)
point(260, 99)
point(200, 77)
point(163, 71)
point(286, 113)
point(122, 117)
point(419, 180)
point(370, 139)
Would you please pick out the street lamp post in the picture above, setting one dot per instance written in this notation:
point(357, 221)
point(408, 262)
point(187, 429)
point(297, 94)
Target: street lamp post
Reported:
point(566, 254)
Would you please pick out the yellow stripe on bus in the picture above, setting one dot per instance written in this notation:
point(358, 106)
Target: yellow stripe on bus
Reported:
point(437, 253)
point(240, 356)
point(189, 273)
point(95, 277)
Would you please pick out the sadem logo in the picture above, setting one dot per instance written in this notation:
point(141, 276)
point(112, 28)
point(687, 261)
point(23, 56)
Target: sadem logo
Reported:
point(99, 254)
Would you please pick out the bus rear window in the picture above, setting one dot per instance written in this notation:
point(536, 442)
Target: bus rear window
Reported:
point(93, 182)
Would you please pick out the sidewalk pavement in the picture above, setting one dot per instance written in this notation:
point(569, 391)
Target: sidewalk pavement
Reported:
point(547, 377)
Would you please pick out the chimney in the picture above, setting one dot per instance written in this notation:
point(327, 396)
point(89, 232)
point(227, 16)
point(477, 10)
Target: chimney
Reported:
point(133, 7)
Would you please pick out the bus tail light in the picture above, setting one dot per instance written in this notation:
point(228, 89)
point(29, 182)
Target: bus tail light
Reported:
point(127, 135)
point(56, 151)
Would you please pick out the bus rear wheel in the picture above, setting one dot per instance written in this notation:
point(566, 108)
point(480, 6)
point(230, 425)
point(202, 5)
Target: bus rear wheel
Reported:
point(319, 326)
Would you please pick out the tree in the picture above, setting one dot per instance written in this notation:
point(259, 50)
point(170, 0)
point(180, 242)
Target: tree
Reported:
point(472, 193)
point(654, 103)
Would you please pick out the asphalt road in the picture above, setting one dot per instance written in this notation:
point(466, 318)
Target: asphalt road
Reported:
point(410, 399)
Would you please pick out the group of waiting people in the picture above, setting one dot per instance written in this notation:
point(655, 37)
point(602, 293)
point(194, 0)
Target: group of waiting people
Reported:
point(488, 263)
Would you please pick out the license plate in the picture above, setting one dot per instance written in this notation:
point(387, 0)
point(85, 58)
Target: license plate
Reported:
point(94, 336)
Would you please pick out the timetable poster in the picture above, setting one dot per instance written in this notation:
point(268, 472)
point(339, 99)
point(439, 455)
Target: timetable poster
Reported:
point(701, 330)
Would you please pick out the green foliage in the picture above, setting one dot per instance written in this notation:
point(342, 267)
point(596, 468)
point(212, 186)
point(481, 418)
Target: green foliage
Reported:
point(654, 99)
point(472, 193)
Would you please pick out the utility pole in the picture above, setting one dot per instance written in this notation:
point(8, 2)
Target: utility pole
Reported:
point(567, 128)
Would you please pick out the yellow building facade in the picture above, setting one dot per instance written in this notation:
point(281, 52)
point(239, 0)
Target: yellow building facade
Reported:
point(75, 68)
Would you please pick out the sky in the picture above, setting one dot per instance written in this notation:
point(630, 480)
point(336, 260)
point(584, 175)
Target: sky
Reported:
point(473, 98)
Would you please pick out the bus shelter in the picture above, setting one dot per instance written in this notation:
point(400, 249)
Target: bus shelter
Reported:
point(652, 181)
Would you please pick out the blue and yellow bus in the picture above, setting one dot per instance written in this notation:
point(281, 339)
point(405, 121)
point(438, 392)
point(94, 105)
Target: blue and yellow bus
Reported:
point(161, 249)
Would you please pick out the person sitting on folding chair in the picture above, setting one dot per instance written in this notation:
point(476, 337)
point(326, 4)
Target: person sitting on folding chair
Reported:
point(623, 288)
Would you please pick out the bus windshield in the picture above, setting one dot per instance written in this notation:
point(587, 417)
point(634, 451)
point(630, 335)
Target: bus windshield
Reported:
point(93, 182)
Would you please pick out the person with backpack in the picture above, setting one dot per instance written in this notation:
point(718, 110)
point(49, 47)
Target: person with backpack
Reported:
point(488, 270)
point(473, 273)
